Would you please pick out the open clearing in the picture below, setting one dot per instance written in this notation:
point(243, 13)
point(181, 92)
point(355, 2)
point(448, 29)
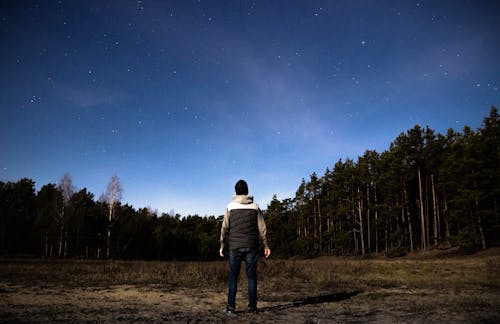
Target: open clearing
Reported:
point(437, 286)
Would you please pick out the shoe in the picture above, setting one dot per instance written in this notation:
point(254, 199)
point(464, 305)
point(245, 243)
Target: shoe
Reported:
point(253, 310)
point(228, 311)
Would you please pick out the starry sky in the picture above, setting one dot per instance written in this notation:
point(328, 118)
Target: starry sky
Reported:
point(180, 99)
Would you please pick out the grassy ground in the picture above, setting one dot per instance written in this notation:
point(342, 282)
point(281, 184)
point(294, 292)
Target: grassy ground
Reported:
point(433, 286)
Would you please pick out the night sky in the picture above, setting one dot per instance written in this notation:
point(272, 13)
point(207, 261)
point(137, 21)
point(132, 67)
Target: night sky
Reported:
point(180, 99)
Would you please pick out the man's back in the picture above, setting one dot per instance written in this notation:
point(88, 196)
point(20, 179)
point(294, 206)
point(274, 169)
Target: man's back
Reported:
point(243, 224)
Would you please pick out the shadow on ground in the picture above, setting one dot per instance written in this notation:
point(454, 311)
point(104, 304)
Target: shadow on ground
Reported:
point(313, 301)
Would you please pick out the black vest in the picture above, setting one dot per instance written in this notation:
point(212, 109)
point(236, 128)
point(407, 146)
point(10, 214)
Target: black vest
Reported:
point(243, 229)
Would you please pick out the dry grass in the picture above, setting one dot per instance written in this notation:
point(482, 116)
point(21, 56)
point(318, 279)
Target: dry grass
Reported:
point(326, 272)
point(113, 272)
point(432, 272)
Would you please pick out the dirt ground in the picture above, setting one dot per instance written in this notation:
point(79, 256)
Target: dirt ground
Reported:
point(155, 304)
point(442, 301)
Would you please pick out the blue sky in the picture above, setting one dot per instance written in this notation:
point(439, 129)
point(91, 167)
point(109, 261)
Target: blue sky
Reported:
point(180, 99)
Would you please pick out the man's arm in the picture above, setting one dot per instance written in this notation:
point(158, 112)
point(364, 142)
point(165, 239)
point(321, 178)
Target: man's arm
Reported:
point(223, 231)
point(263, 233)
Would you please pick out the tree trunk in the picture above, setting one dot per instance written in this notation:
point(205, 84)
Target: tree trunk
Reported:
point(108, 241)
point(427, 220)
point(299, 225)
point(385, 235)
point(404, 240)
point(391, 243)
point(445, 216)
point(320, 228)
point(65, 244)
point(376, 219)
point(315, 227)
point(305, 224)
point(481, 232)
point(435, 209)
point(476, 200)
point(2, 249)
point(368, 219)
point(46, 244)
point(355, 241)
point(422, 216)
point(61, 230)
point(360, 215)
point(98, 245)
point(329, 234)
point(408, 216)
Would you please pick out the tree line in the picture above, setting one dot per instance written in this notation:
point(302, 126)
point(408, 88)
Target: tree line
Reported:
point(425, 191)
point(56, 221)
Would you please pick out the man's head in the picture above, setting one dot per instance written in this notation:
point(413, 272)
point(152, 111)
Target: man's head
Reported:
point(241, 188)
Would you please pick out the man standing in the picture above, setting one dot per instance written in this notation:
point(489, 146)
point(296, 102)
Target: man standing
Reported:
point(244, 223)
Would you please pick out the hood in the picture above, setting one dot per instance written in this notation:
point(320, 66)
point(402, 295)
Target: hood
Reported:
point(243, 199)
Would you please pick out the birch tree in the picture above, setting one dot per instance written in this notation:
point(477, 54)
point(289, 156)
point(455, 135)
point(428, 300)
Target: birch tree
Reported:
point(113, 197)
point(66, 189)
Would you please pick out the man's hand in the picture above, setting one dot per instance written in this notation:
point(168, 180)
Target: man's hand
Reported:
point(267, 252)
point(221, 253)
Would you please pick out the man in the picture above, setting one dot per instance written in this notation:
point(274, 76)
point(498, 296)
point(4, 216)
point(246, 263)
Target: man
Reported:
point(244, 223)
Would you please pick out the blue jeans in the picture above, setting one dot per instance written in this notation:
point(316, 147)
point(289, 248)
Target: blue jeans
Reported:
point(235, 257)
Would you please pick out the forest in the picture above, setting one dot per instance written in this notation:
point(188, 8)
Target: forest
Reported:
point(426, 191)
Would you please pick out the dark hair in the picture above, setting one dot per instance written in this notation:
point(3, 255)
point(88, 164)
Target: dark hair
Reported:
point(241, 188)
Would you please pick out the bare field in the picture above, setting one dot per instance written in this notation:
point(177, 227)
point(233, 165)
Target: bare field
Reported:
point(426, 287)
